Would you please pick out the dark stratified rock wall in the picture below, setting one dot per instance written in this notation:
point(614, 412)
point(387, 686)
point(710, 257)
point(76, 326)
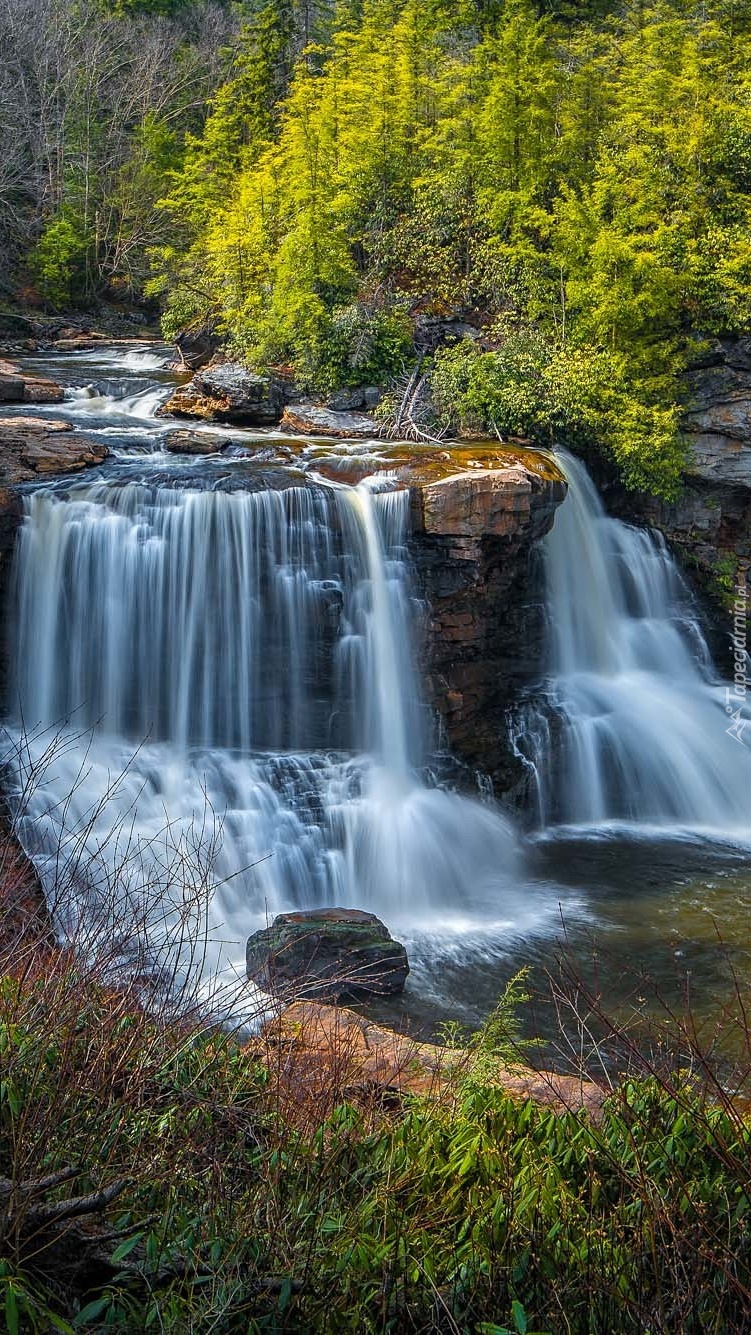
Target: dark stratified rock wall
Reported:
point(474, 543)
point(709, 525)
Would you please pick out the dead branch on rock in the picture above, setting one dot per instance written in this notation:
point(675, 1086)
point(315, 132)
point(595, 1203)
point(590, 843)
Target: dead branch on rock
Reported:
point(410, 419)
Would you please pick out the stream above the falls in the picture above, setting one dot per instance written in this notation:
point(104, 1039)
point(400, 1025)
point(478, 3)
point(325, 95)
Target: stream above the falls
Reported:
point(215, 664)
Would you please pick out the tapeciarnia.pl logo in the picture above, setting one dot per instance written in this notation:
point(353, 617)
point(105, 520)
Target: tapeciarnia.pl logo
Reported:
point(735, 695)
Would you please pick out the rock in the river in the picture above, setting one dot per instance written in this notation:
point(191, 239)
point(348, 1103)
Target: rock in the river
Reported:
point(474, 533)
point(192, 442)
point(18, 387)
point(229, 393)
point(709, 524)
point(327, 954)
point(32, 447)
point(311, 419)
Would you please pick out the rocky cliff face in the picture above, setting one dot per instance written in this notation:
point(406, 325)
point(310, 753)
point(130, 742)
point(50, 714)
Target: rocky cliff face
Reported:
point(474, 538)
point(710, 524)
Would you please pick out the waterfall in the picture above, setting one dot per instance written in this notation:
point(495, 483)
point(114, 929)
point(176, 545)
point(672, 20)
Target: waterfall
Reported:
point(215, 694)
point(633, 726)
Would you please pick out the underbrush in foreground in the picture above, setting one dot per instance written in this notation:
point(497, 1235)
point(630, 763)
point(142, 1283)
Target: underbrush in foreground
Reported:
point(152, 1176)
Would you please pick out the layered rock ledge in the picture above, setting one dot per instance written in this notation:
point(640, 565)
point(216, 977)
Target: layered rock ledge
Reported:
point(36, 447)
point(17, 386)
point(474, 533)
point(229, 392)
point(709, 524)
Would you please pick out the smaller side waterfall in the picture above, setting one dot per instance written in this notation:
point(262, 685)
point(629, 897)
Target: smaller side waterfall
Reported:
point(633, 725)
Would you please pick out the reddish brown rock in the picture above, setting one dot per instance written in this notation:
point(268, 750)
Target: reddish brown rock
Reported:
point(16, 386)
point(310, 1043)
point(32, 447)
point(37, 390)
point(474, 536)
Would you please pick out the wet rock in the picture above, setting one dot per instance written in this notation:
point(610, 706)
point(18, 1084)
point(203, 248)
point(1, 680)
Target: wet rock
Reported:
point(193, 442)
point(475, 533)
point(188, 402)
point(327, 954)
point(18, 387)
point(312, 419)
point(229, 393)
point(32, 447)
point(11, 388)
point(37, 390)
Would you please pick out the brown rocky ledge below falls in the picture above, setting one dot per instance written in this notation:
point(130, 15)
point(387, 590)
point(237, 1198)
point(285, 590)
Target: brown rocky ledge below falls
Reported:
point(313, 1051)
point(16, 386)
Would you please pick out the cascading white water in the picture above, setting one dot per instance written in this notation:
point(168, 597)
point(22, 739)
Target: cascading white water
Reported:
point(224, 681)
point(636, 728)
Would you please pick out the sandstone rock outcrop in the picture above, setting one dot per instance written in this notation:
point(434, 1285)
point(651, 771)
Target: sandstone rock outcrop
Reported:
point(18, 386)
point(474, 536)
point(229, 392)
point(327, 954)
point(34, 447)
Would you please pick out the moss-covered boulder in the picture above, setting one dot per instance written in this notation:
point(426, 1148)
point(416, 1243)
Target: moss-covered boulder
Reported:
point(327, 954)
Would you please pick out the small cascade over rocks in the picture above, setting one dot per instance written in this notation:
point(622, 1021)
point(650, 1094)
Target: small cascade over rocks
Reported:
point(633, 726)
point(215, 693)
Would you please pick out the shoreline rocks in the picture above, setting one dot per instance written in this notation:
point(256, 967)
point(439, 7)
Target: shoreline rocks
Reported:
point(32, 447)
point(310, 1042)
point(327, 954)
point(16, 386)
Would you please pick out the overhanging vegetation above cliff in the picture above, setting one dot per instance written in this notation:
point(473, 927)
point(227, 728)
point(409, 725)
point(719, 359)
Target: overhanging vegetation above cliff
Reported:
point(585, 179)
point(567, 189)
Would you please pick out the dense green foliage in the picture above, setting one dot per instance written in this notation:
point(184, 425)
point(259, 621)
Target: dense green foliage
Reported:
point(477, 1214)
point(574, 184)
point(573, 181)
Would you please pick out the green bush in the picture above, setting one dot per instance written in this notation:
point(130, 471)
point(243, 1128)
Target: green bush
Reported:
point(566, 395)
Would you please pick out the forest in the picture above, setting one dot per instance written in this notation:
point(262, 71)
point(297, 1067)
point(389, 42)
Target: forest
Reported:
point(569, 183)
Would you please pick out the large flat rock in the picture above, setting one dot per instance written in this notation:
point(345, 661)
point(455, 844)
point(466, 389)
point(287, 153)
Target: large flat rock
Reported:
point(32, 447)
point(312, 419)
point(17, 386)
